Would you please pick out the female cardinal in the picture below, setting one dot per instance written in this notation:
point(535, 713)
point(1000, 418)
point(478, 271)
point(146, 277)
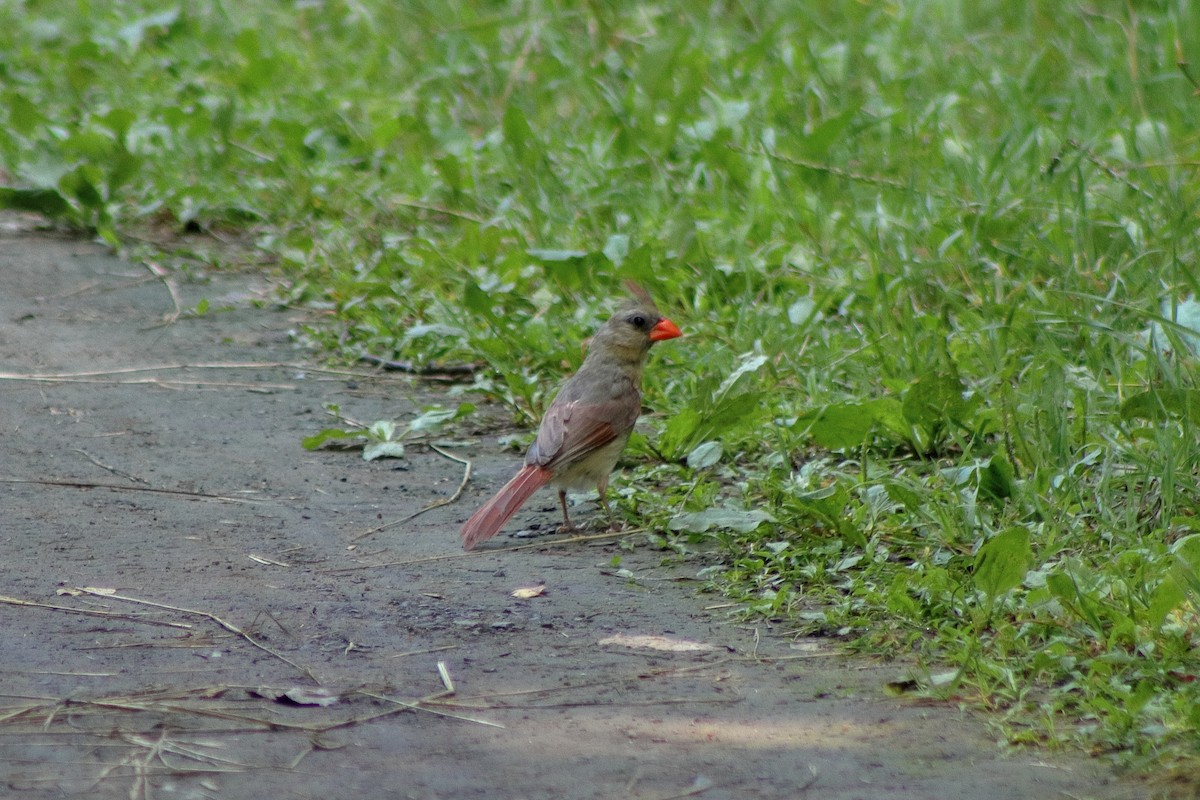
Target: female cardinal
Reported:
point(587, 425)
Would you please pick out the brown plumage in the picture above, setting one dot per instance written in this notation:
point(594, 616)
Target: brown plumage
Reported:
point(586, 427)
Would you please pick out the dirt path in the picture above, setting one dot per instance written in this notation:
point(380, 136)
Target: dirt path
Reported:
point(249, 548)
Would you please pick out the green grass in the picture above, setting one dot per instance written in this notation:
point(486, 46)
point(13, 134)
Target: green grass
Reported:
point(932, 236)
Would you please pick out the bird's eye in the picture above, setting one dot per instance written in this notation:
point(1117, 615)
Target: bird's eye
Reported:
point(637, 321)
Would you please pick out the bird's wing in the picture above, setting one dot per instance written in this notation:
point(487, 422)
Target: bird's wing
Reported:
point(572, 430)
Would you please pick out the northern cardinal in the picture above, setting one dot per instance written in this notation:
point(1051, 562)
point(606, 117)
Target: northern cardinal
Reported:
point(586, 427)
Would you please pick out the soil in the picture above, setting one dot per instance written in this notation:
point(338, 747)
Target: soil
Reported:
point(262, 643)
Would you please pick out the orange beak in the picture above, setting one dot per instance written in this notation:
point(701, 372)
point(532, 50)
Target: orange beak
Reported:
point(665, 329)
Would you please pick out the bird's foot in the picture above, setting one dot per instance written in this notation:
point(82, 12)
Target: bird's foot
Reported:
point(568, 527)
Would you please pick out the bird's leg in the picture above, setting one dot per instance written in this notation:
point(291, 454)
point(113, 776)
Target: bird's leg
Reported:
point(602, 490)
point(567, 526)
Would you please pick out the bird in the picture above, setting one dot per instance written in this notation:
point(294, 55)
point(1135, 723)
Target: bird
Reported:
point(587, 425)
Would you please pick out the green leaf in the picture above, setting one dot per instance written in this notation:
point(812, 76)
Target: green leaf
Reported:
point(904, 495)
point(828, 132)
point(521, 139)
point(997, 479)
point(730, 414)
point(616, 248)
point(23, 115)
point(691, 426)
point(43, 201)
point(842, 427)
point(83, 183)
point(135, 31)
point(386, 449)
point(327, 435)
point(1002, 562)
point(938, 398)
point(704, 455)
point(741, 521)
point(477, 300)
point(749, 364)
point(1065, 588)
point(432, 419)
point(1062, 587)
point(1179, 325)
point(383, 430)
point(1187, 567)
point(1166, 597)
point(1158, 403)
point(679, 431)
point(556, 255)
point(1187, 550)
point(802, 311)
point(829, 505)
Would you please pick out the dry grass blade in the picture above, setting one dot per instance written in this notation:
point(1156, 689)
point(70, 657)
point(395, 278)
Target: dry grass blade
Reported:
point(498, 700)
point(405, 202)
point(444, 673)
point(267, 561)
point(657, 701)
point(830, 169)
point(120, 488)
point(52, 377)
point(699, 786)
point(420, 705)
point(197, 703)
point(164, 276)
point(407, 653)
point(591, 537)
point(190, 750)
point(436, 504)
point(428, 372)
point(182, 384)
point(229, 626)
point(109, 468)
point(27, 710)
point(16, 601)
point(1108, 168)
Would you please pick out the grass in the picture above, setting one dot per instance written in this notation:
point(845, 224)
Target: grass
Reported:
point(935, 261)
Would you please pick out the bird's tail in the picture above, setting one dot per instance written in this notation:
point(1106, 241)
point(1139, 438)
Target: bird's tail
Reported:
point(488, 520)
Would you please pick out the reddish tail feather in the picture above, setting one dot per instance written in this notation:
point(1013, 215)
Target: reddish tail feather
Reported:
point(489, 519)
